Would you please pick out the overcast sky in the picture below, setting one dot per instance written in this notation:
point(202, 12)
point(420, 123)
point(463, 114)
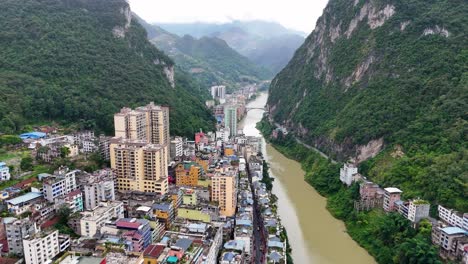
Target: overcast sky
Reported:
point(295, 14)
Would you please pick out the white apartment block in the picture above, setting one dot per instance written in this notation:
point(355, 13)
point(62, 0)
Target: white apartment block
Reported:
point(4, 172)
point(40, 249)
point(453, 218)
point(177, 147)
point(347, 173)
point(92, 221)
point(16, 230)
point(59, 185)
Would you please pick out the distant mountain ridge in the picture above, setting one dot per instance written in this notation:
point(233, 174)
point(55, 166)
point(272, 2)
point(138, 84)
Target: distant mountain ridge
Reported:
point(208, 59)
point(268, 44)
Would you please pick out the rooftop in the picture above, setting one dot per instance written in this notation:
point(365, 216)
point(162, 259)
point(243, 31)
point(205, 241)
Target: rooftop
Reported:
point(393, 190)
point(454, 230)
point(24, 198)
point(153, 251)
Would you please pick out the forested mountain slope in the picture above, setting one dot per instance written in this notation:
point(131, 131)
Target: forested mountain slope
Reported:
point(268, 44)
point(80, 61)
point(208, 59)
point(385, 82)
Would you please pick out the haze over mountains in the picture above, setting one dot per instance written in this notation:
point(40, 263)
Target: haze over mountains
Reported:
point(210, 60)
point(268, 44)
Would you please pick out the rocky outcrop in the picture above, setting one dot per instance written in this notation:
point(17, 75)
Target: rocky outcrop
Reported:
point(119, 31)
point(370, 150)
point(169, 73)
point(375, 18)
point(436, 30)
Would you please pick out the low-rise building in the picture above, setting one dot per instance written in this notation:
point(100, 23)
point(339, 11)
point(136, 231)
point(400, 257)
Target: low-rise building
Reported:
point(23, 203)
point(347, 173)
point(391, 195)
point(4, 172)
point(453, 217)
point(93, 220)
point(418, 209)
point(187, 174)
point(44, 246)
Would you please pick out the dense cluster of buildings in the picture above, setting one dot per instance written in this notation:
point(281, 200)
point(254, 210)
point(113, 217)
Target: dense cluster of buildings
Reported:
point(163, 199)
point(449, 233)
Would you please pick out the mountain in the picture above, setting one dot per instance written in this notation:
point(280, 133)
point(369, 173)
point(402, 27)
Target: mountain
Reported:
point(80, 61)
point(385, 83)
point(208, 59)
point(265, 43)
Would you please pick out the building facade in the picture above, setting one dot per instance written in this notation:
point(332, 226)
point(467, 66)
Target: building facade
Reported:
point(4, 172)
point(224, 191)
point(139, 166)
point(230, 119)
point(16, 230)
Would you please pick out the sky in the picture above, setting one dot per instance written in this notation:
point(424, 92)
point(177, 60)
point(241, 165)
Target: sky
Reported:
point(294, 14)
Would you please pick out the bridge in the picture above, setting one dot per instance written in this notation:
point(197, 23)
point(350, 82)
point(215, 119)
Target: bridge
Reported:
point(254, 108)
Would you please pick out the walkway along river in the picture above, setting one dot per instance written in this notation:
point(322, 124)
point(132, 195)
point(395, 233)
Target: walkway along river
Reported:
point(314, 234)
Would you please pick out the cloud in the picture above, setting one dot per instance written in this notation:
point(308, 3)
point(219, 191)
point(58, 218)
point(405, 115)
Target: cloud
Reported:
point(295, 14)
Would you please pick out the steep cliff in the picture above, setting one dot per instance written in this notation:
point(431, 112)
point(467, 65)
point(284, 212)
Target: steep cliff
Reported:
point(80, 61)
point(378, 77)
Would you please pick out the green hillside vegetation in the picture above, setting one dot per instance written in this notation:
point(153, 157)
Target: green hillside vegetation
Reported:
point(389, 238)
point(208, 59)
point(413, 94)
point(61, 61)
point(265, 43)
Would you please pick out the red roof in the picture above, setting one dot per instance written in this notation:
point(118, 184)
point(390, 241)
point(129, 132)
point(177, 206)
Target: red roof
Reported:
point(50, 222)
point(153, 251)
point(5, 248)
point(127, 224)
point(74, 193)
point(22, 184)
point(4, 260)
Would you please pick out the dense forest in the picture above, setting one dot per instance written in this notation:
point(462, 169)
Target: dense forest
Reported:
point(80, 61)
point(208, 59)
point(388, 70)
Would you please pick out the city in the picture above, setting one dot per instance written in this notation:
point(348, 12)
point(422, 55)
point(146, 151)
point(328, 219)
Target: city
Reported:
point(163, 200)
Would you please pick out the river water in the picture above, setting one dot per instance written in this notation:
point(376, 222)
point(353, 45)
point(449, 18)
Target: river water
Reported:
point(315, 236)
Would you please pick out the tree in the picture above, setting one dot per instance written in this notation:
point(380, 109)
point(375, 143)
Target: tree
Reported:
point(26, 163)
point(417, 250)
point(64, 152)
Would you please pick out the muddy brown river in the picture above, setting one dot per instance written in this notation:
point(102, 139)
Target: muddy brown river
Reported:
point(314, 234)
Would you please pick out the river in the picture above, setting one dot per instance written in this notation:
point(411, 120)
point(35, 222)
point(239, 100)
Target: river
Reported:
point(314, 234)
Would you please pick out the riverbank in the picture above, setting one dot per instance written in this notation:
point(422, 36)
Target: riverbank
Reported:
point(315, 236)
point(389, 238)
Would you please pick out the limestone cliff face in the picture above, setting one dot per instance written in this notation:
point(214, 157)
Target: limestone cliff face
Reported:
point(364, 60)
point(120, 30)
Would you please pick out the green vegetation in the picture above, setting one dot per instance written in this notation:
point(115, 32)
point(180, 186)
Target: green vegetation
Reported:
point(208, 59)
point(266, 179)
point(61, 62)
point(414, 95)
point(389, 238)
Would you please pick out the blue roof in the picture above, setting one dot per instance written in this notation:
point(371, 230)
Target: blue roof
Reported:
point(2, 164)
point(243, 222)
point(228, 256)
point(275, 244)
point(33, 135)
point(452, 230)
point(163, 206)
point(24, 198)
point(234, 244)
point(183, 243)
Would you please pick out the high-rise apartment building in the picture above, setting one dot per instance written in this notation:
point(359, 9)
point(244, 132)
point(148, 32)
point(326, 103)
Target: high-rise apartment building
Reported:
point(139, 153)
point(224, 191)
point(139, 166)
point(149, 123)
point(230, 119)
point(218, 92)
